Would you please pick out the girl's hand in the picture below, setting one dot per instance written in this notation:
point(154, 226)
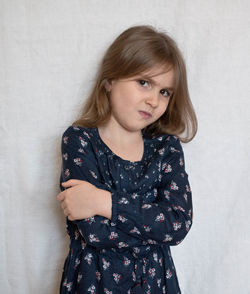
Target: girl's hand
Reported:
point(78, 202)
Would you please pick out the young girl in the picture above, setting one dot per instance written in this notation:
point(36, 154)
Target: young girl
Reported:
point(125, 191)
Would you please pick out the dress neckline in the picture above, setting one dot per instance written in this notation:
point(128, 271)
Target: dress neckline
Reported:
point(117, 156)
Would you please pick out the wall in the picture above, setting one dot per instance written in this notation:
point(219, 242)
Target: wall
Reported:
point(48, 58)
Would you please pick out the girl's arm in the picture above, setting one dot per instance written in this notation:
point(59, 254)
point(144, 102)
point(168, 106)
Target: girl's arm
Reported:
point(78, 162)
point(166, 220)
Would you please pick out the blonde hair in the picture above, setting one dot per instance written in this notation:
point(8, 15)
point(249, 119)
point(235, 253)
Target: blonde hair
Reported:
point(137, 50)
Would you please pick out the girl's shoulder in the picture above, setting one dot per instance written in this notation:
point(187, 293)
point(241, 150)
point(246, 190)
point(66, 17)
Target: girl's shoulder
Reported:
point(78, 137)
point(166, 141)
point(168, 148)
point(73, 131)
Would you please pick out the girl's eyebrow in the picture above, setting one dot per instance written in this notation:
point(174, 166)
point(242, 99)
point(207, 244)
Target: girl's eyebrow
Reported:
point(154, 82)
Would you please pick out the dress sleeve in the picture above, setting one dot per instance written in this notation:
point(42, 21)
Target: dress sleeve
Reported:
point(168, 218)
point(78, 162)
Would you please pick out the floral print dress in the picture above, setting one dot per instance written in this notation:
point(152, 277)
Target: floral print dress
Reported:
point(151, 210)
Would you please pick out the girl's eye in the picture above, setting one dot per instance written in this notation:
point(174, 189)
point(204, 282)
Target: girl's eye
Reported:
point(165, 93)
point(143, 82)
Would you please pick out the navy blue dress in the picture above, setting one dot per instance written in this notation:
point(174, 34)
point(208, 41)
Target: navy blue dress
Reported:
point(151, 210)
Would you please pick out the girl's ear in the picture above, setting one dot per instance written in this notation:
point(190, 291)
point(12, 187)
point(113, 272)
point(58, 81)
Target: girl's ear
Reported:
point(108, 85)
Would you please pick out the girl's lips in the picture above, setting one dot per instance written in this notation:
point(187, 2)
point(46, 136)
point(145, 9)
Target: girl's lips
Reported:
point(145, 114)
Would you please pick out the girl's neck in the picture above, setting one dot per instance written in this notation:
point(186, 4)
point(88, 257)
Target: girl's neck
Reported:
point(126, 149)
point(119, 136)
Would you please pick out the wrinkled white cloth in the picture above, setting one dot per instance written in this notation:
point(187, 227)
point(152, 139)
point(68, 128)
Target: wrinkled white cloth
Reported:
point(49, 52)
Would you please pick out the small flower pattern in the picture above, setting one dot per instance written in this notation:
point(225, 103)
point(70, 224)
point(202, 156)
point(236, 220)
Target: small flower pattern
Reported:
point(151, 211)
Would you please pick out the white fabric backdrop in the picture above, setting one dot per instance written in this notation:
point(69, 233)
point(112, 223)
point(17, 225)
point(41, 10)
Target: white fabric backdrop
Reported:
point(49, 55)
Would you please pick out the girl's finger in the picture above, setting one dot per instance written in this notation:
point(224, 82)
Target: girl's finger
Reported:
point(71, 183)
point(60, 196)
point(66, 212)
point(70, 218)
point(63, 205)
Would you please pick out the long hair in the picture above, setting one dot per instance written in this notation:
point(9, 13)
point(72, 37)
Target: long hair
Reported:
point(136, 50)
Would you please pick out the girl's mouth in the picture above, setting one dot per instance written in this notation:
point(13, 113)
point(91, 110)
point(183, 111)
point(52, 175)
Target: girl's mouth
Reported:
point(145, 114)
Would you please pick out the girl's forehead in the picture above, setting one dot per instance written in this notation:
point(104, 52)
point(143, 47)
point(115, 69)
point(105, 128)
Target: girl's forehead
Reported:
point(157, 70)
point(150, 72)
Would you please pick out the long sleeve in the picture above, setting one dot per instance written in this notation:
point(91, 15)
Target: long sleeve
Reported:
point(168, 218)
point(78, 162)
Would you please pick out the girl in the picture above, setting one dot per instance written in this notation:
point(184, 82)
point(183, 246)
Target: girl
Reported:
point(125, 191)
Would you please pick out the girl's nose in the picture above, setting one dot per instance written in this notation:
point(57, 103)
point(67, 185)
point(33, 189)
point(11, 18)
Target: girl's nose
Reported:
point(153, 100)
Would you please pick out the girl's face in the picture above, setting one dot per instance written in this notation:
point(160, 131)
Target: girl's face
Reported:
point(139, 101)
